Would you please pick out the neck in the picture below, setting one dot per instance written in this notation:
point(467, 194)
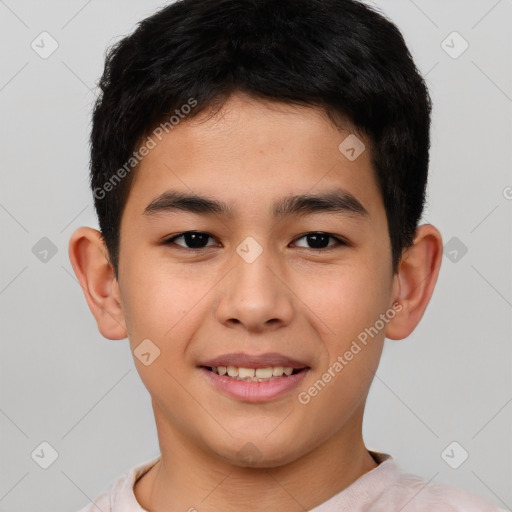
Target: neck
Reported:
point(189, 478)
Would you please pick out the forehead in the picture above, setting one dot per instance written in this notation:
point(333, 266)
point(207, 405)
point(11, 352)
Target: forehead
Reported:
point(251, 153)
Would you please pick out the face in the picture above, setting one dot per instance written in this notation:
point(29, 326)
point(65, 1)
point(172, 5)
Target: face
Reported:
point(266, 279)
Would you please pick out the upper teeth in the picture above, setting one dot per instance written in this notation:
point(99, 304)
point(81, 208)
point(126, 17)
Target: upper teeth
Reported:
point(260, 373)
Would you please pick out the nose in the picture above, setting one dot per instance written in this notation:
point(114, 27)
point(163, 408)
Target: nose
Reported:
point(255, 295)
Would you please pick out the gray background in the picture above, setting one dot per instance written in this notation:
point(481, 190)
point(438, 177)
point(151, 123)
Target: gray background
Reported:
point(61, 382)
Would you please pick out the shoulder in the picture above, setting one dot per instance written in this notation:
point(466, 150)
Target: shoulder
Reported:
point(102, 503)
point(418, 495)
point(120, 497)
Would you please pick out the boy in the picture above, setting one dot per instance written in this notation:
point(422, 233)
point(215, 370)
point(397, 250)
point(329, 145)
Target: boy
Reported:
point(261, 127)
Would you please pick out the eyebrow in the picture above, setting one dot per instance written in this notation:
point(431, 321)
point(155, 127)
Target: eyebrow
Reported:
point(337, 201)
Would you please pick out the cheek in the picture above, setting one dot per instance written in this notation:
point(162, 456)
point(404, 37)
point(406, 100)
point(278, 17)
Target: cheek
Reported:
point(159, 306)
point(160, 303)
point(347, 303)
point(346, 300)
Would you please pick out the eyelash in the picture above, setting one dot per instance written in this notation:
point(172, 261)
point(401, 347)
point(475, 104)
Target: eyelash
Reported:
point(340, 241)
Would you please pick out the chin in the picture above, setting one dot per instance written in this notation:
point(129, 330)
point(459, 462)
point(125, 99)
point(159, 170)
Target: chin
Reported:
point(259, 452)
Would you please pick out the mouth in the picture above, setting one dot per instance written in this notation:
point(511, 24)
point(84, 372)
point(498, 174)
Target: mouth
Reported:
point(254, 378)
point(264, 374)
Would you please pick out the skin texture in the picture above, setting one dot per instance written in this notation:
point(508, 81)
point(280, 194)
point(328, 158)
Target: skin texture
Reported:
point(305, 303)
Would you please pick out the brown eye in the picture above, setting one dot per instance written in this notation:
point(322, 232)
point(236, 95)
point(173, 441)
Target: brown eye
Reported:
point(320, 240)
point(192, 239)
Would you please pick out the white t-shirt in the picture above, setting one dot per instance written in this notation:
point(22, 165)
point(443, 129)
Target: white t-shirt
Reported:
point(383, 489)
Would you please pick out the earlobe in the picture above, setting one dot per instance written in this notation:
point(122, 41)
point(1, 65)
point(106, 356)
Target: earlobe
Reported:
point(415, 280)
point(88, 256)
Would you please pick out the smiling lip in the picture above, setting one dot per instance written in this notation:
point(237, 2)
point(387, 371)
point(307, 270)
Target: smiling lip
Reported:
point(247, 391)
point(239, 359)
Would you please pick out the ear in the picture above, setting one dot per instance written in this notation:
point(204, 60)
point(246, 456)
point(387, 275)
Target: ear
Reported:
point(414, 282)
point(89, 258)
